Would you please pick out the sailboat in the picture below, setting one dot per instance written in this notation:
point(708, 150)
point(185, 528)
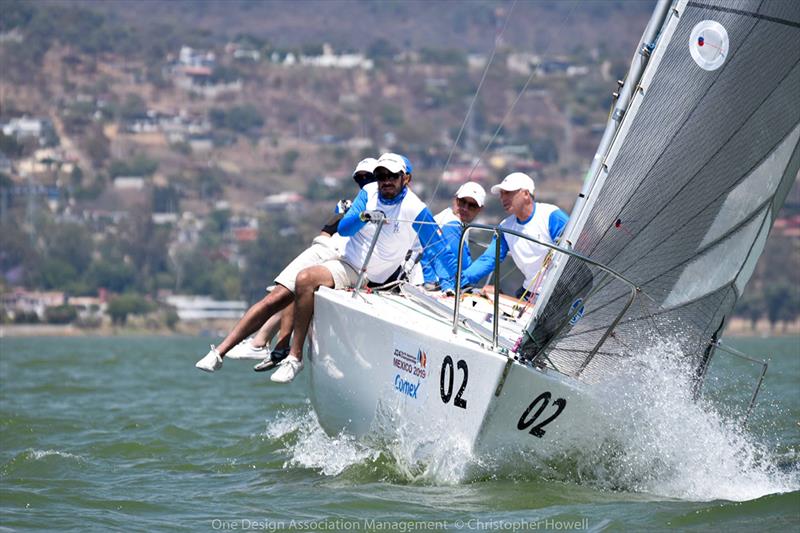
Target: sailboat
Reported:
point(699, 153)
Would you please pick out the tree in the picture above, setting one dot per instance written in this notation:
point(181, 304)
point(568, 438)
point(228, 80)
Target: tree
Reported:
point(72, 244)
point(751, 306)
point(10, 146)
point(311, 49)
point(223, 74)
point(116, 276)
point(544, 150)
point(392, 115)
point(60, 314)
point(171, 318)
point(241, 119)
point(777, 298)
point(166, 199)
point(438, 56)
point(127, 304)
point(271, 252)
point(56, 274)
point(288, 160)
point(133, 107)
point(140, 165)
point(381, 49)
point(97, 145)
point(146, 244)
point(210, 182)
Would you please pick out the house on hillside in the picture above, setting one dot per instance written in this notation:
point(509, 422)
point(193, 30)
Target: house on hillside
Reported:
point(282, 201)
point(464, 173)
point(329, 59)
point(22, 301)
point(191, 57)
point(206, 308)
point(25, 128)
point(194, 72)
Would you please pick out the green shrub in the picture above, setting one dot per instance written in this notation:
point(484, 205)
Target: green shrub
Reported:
point(60, 314)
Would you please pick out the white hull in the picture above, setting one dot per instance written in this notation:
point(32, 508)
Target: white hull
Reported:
point(379, 368)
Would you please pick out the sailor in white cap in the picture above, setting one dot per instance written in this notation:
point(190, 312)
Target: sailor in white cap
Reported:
point(407, 218)
point(467, 204)
point(541, 221)
point(276, 308)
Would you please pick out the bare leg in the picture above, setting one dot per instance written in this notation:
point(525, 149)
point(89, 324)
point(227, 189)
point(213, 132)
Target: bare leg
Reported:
point(256, 316)
point(287, 326)
point(269, 329)
point(308, 281)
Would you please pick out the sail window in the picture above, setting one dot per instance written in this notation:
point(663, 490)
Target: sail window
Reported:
point(717, 266)
point(754, 190)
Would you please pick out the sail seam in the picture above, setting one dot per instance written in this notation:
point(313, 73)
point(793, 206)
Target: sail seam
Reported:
point(666, 146)
point(681, 189)
point(746, 14)
point(744, 176)
point(740, 225)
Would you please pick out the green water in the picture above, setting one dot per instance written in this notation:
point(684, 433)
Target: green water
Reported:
point(123, 434)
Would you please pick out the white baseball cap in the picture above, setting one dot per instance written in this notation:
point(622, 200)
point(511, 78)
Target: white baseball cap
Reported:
point(392, 162)
point(472, 190)
point(514, 182)
point(366, 165)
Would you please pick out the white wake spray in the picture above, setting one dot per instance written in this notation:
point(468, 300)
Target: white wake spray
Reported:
point(404, 453)
point(312, 448)
point(668, 444)
point(653, 438)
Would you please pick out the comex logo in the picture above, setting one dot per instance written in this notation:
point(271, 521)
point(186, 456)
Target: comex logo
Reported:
point(406, 387)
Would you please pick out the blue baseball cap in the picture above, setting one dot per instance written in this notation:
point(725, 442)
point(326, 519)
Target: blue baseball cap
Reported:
point(408, 164)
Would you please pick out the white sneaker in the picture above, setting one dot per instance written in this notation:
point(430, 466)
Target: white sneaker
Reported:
point(287, 370)
point(211, 362)
point(245, 350)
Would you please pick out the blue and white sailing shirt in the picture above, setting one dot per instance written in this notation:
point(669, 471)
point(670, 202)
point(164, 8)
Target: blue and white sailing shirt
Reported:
point(451, 232)
point(408, 219)
point(545, 224)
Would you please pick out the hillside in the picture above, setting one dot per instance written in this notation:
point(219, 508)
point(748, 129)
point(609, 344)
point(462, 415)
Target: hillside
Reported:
point(194, 146)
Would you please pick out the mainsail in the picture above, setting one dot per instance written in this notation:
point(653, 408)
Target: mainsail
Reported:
point(686, 193)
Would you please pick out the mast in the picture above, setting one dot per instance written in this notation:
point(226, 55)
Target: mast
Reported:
point(595, 177)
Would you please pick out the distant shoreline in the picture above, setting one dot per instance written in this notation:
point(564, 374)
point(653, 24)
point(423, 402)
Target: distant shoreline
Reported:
point(738, 327)
point(217, 328)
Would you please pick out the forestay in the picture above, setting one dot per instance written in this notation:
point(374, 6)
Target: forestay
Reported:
point(687, 193)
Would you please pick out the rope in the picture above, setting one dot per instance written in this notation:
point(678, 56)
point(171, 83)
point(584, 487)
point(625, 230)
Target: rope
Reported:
point(388, 286)
point(497, 40)
point(535, 284)
point(514, 103)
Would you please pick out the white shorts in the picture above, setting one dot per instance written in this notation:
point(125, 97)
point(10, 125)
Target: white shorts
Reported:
point(319, 252)
point(345, 276)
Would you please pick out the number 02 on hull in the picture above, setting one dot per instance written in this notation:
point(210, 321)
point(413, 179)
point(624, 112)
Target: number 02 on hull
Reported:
point(374, 373)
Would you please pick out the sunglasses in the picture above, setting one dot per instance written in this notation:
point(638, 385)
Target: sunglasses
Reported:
point(388, 176)
point(469, 205)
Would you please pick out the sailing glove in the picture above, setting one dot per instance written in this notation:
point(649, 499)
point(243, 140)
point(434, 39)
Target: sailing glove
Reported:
point(371, 216)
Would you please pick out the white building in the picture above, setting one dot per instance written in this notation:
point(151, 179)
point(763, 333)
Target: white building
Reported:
point(205, 307)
